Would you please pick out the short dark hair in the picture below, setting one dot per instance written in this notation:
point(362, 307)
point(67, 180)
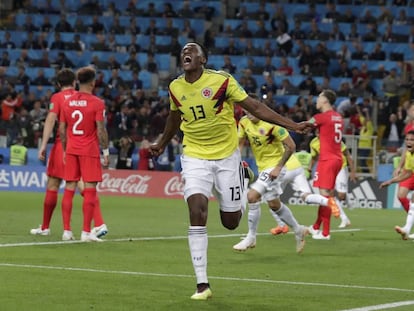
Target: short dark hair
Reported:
point(86, 74)
point(203, 49)
point(330, 95)
point(65, 77)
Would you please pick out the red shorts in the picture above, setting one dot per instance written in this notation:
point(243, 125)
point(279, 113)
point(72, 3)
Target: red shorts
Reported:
point(55, 165)
point(326, 173)
point(408, 183)
point(87, 168)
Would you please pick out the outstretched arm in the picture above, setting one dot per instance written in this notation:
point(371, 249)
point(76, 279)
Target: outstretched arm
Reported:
point(400, 177)
point(264, 113)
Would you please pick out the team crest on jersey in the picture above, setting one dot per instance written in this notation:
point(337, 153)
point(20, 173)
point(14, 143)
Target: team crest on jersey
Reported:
point(262, 131)
point(207, 92)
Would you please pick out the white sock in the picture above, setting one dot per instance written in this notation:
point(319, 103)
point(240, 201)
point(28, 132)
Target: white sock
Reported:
point(277, 218)
point(286, 215)
point(244, 195)
point(253, 218)
point(410, 219)
point(198, 242)
point(342, 214)
point(316, 199)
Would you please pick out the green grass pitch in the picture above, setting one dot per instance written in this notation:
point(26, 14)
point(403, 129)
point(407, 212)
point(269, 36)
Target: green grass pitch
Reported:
point(144, 264)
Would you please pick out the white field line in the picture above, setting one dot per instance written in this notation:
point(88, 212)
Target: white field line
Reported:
point(386, 306)
point(169, 275)
point(178, 237)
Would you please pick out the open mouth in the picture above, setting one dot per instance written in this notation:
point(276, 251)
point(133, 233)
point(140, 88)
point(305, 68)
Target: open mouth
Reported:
point(186, 59)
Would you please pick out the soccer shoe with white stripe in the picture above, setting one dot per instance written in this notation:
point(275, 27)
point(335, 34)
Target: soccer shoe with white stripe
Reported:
point(245, 244)
point(100, 231)
point(320, 236)
point(313, 231)
point(202, 294)
point(344, 224)
point(300, 238)
point(39, 231)
point(67, 235)
point(411, 236)
point(89, 237)
point(400, 230)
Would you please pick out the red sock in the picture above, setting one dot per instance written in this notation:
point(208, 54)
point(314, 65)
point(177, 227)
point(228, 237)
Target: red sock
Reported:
point(49, 205)
point(88, 207)
point(326, 220)
point(67, 203)
point(97, 213)
point(318, 221)
point(405, 203)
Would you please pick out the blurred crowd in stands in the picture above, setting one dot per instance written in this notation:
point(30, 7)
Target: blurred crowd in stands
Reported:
point(284, 51)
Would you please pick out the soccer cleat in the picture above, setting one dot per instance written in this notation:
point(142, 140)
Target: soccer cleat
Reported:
point(100, 231)
point(344, 224)
point(248, 173)
point(39, 231)
point(411, 236)
point(245, 244)
point(279, 230)
point(320, 236)
point(67, 235)
point(203, 293)
point(404, 234)
point(334, 207)
point(313, 231)
point(300, 238)
point(89, 237)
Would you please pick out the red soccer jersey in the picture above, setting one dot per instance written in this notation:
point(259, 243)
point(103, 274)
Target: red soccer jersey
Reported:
point(56, 102)
point(80, 113)
point(330, 125)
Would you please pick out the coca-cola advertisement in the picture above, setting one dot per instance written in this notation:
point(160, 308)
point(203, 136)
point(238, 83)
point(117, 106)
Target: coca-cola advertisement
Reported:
point(141, 183)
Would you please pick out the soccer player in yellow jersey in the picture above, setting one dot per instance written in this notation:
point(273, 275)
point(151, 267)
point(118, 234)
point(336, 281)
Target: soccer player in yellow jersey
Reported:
point(202, 105)
point(272, 146)
point(404, 174)
point(341, 181)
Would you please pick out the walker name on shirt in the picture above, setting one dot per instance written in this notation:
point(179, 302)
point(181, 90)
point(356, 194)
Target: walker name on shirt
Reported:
point(78, 103)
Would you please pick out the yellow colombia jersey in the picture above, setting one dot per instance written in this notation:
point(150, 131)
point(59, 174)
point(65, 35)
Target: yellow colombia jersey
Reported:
point(409, 161)
point(208, 123)
point(265, 140)
point(315, 147)
point(294, 161)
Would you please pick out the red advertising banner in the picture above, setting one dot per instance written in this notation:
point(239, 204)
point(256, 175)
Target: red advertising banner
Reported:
point(153, 184)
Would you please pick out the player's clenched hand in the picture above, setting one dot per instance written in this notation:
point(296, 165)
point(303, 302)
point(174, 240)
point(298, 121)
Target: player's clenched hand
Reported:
point(304, 127)
point(385, 184)
point(155, 149)
point(275, 172)
point(105, 162)
point(41, 154)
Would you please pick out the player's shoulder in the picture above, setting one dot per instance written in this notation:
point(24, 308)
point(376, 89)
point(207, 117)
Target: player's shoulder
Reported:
point(219, 73)
point(244, 120)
